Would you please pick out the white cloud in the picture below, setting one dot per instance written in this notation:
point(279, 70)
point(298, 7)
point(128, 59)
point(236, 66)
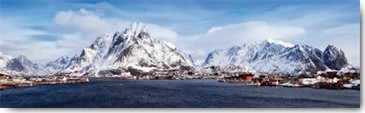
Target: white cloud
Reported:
point(77, 29)
point(89, 22)
point(80, 28)
point(254, 31)
point(86, 22)
point(162, 33)
point(67, 38)
point(15, 40)
point(349, 30)
point(36, 51)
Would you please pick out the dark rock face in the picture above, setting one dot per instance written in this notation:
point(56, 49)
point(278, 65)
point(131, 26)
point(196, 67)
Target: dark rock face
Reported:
point(20, 66)
point(209, 57)
point(15, 65)
point(334, 58)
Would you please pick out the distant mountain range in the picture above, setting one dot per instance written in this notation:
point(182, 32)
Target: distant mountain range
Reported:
point(135, 49)
point(275, 56)
point(20, 66)
point(60, 64)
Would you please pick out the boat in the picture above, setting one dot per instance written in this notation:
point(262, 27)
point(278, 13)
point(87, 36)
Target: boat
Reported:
point(252, 84)
point(221, 80)
point(289, 84)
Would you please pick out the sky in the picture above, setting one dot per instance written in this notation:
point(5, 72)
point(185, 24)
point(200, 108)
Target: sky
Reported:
point(44, 30)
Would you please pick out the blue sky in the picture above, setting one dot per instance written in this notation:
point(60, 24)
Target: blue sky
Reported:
point(44, 30)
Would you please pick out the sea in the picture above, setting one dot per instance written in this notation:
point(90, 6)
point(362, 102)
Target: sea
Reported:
point(200, 93)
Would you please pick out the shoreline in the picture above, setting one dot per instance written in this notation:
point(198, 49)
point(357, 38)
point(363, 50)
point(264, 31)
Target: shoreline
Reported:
point(88, 79)
point(8, 82)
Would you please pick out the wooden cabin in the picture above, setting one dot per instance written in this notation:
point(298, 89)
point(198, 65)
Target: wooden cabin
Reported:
point(248, 77)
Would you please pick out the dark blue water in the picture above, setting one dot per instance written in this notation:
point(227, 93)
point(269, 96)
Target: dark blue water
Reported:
point(173, 94)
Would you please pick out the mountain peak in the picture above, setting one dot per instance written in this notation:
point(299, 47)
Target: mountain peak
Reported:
point(144, 29)
point(64, 57)
point(334, 58)
point(21, 66)
point(132, 49)
point(136, 29)
point(22, 57)
point(331, 47)
point(332, 50)
point(134, 24)
point(58, 64)
point(278, 42)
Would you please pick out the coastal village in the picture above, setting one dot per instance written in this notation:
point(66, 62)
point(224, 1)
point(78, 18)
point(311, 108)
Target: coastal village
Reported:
point(321, 80)
point(8, 81)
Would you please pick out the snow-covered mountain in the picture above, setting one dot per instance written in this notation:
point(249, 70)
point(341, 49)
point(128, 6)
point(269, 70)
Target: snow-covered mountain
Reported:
point(59, 64)
point(275, 56)
point(4, 59)
point(20, 66)
point(134, 48)
point(188, 57)
point(334, 58)
point(349, 69)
